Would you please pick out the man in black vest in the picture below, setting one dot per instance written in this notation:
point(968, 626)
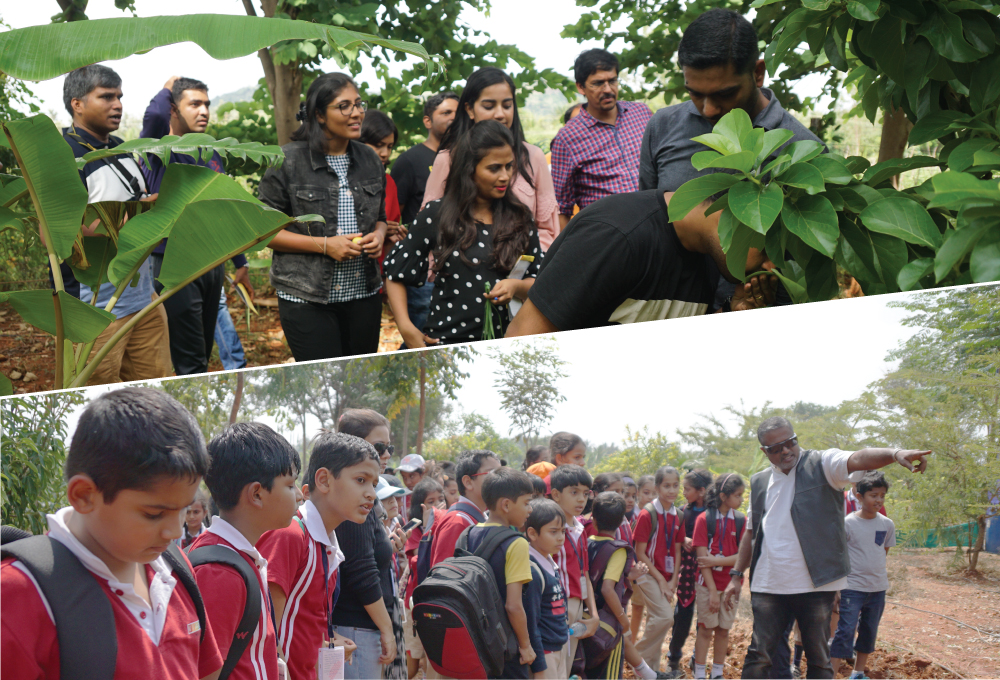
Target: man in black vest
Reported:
point(797, 547)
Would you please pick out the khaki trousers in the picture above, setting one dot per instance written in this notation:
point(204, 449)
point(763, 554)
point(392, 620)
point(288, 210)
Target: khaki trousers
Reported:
point(659, 619)
point(143, 353)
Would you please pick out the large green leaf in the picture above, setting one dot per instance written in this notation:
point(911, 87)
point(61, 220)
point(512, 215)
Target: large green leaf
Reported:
point(47, 162)
point(963, 155)
point(901, 217)
point(50, 50)
point(99, 251)
point(796, 291)
point(773, 140)
point(910, 275)
point(12, 190)
point(957, 244)
point(735, 126)
point(724, 145)
point(934, 126)
point(182, 184)
point(863, 9)
point(833, 168)
point(803, 176)
point(6, 386)
point(727, 225)
point(954, 189)
point(944, 31)
point(756, 205)
point(742, 161)
point(197, 243)
point(857, 251)
point(744, 238)
point(880, 172)
point(813, 219)
point(192, 144)
point(693, 192)
point(790, 36)
point(81, 322)
point(804, 150)
point(984, 264)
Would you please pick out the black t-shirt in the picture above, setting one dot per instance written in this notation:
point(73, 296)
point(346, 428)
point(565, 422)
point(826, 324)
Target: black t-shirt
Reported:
point(620, 261)
point(410, 173)
point(458, 304)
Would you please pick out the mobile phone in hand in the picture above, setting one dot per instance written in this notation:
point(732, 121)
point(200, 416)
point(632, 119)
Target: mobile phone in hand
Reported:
point(412, 523)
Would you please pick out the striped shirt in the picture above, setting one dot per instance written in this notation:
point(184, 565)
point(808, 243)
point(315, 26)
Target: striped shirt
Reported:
point(591, 159)
point(349, 281)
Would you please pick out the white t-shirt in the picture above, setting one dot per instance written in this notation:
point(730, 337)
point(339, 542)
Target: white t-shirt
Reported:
point(781, 568)
point(867, 540)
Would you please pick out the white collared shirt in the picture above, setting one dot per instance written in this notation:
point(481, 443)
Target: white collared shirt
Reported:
point(781, 546)
point(317, 530)
point(546, 562)
point(232, 535)
point(152, 615)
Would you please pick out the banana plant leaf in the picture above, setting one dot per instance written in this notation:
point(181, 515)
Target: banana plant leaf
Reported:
point(182, 184)
point(81, 322)
point(50, 50)
point(56, 190)
point(6, 386)
point(193, 144)
point(209, 232)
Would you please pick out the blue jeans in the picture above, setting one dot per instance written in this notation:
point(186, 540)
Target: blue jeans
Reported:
point(418, 303)
point(226, 339)
point(859, 613)
point(364, 662)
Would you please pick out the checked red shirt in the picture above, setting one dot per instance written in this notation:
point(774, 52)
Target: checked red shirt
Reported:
point(592, 160)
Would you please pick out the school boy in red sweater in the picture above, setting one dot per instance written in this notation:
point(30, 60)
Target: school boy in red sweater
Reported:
point(134, 466)
point(252, 480)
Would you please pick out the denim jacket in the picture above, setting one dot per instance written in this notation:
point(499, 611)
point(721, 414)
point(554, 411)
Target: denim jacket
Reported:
point(305, 184)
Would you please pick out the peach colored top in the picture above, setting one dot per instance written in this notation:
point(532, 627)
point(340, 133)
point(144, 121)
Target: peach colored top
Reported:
point(541, 199)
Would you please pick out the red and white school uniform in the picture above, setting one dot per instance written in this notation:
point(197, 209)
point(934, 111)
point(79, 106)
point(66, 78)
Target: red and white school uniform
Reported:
point(622, 533)
point(725, 543)
point(158, 640)
point(224, 593)
point(295, 563)
point(669, 532)
point(661, 548)
point(574, 569)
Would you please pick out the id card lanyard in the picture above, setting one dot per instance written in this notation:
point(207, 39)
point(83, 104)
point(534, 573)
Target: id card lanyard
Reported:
point(722, 536)
point(668, 558)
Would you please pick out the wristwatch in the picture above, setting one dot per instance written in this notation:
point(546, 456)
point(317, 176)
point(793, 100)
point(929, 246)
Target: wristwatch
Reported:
point(735, 572)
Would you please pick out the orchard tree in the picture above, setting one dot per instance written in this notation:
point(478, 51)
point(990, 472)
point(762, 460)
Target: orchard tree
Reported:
point(290, 66)
point(470, 432)
point(527, 383)
point(644, 453)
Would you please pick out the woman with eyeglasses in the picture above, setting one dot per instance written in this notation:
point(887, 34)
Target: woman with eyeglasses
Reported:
point(326, 273)
point(368, 611)
point(490, 94)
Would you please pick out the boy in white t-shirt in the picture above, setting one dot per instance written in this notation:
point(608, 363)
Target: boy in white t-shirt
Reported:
point(869, 537)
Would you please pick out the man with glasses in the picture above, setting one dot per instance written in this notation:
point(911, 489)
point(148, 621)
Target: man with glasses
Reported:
point(797, 547)
point(596, 153)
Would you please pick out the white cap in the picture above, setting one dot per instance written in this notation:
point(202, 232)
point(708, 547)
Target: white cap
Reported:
point(411, 463)
point(384, 489)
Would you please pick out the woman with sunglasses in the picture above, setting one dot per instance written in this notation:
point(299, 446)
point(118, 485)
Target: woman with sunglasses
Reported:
point(490, 94)
point(368, 609)
point(326, 273)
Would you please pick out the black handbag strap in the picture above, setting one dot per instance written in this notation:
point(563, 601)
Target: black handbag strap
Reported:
point(218, 554)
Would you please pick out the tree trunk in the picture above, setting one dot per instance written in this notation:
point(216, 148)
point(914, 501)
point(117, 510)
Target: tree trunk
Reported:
point(895, 132)
point(977, 547)
point(423, 407)
point(284, 81)
point(406, 432)
point(237, 399)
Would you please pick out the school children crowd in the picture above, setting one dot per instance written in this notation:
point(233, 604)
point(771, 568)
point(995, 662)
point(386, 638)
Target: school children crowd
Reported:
point(469, 569)
point(456, 235)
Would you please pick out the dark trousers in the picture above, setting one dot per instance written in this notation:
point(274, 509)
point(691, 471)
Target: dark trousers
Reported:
point(772, 615)
point(318, 331)
point(781, 668)
point(683, 616)
point(192, 313)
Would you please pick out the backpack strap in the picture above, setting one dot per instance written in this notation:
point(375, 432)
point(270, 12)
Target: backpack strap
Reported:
point(462, 544)
point(711, 517)
point(654, 517)
point(217, 554)
point(84, 618)
point(469, 509)
point(177, 562)
point(495, 537)
point(741, 522)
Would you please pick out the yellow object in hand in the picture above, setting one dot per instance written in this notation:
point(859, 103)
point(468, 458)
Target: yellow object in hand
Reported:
point(356, 239)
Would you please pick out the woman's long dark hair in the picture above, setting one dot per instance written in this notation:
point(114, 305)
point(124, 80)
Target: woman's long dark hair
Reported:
point(377, 126)
point(474, 86)
point(322, 91)
point(511, 219)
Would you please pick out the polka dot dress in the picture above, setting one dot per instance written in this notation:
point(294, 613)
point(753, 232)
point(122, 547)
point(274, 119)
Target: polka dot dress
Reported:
point(458, 303)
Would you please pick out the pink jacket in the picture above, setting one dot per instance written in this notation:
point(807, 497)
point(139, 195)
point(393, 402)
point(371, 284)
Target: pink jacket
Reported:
point(541, 199)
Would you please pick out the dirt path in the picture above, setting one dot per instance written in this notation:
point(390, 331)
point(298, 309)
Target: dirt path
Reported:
point(914, 644)
point(29, 353)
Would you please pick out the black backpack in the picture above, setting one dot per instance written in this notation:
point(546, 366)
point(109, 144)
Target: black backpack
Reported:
point(85, 619)
point(711, 516)
point(218, 554)
point(459, 615)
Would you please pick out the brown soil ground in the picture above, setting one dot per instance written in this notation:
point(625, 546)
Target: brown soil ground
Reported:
point(914, 644)
point(25, 349)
